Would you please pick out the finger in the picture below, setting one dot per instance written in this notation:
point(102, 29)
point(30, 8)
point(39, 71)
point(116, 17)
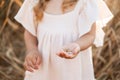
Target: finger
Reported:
point(63, 53)
point(38, 61)
point(76, 50)
point(27, 67)
point(34, 60)
point(67, 54)
point(70, 55)
point(60, 53)
point(29, 62)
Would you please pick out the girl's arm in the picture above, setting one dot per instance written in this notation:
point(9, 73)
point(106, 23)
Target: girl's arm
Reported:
point(30, 41)
point(71, 50)
point(33, 57)
point(87, 40)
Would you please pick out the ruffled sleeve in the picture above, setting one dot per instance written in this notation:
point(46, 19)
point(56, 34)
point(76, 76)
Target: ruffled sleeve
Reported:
point(25, 16)
point(94, 11)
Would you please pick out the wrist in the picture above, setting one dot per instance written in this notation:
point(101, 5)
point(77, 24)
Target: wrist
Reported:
point(79, 47)
point(31, 50)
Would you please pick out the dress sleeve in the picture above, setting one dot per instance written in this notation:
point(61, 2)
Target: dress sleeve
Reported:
point(94, 11)
point(25, 16)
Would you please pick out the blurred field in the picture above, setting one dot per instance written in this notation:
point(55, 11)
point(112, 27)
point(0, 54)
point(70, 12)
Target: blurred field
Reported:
point(12, 47)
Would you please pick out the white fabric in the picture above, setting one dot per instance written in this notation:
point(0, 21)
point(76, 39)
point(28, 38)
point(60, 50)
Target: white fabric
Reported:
point(54, 31)
point(25, 16)
point(94, 11)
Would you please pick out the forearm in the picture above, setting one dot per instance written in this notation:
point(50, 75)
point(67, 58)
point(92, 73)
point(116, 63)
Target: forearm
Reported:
point(87, 40)
point(30, 41)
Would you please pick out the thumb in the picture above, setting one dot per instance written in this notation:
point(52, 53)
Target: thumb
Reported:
point(76, 50)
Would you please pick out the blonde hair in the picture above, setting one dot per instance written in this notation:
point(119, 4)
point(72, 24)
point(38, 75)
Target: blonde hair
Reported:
point(40, 7)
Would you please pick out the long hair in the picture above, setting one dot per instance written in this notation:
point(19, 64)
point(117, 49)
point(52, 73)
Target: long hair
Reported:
point(40, 7)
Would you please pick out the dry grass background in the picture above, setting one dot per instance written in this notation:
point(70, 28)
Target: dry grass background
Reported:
point(12, 47)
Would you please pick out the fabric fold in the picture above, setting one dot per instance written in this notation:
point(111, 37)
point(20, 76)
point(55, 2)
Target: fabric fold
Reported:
point(25, 16)
point(95, 11)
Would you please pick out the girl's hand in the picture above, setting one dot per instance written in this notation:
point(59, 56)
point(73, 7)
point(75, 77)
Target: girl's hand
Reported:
point(69, 51)
point(32, 60)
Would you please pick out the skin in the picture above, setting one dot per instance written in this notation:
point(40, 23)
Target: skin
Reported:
point(81, 44)
point(33, 57)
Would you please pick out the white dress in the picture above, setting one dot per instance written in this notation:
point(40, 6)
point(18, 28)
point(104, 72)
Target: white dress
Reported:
point(54, 31)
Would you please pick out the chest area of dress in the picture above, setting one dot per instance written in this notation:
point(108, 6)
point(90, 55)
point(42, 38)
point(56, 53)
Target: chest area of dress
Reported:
point(58, 23)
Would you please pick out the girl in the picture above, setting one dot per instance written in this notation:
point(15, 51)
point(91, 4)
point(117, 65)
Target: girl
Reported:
point(59, 35)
